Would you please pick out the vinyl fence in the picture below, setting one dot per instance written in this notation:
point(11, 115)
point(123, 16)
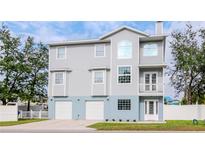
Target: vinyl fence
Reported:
point(184, 112)
point(8, 112)
point(33, 114)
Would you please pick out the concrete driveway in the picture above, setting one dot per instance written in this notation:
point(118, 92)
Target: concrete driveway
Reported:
point(51, 126)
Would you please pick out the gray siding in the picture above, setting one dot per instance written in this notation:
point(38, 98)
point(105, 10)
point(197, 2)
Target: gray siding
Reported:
point(80, 58)
point(124, 89)
point(152, 59)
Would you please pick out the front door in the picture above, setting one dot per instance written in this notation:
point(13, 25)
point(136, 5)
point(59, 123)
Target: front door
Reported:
point(151, 108)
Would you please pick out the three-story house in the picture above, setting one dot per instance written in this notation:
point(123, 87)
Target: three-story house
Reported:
point(118, 77)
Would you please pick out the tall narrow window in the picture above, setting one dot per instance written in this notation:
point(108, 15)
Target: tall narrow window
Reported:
point(125, 49)
point(98, 77)
point(150, 81)
point(100, 50)
point(59, 78)
point(150, 50)
point(60, 53)
point(124, 74)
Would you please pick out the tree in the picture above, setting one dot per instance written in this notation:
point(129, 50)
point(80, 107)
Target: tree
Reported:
point(188, 71)
point(23, 67)
point(11, 66)
point(36, 76)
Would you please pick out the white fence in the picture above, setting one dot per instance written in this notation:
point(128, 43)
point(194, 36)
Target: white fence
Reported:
point(33, 114)
point(184, 112)
point(8, 112)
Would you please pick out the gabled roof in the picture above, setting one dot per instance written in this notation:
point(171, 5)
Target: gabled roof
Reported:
point(122, 28)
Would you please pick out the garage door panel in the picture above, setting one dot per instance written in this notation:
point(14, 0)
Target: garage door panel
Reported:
point(95, 110)
point(63, 110)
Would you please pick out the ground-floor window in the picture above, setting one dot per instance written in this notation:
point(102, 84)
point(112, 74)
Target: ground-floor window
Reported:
point(124, 104)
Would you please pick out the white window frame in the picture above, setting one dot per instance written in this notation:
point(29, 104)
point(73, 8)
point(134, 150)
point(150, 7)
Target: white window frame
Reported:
point(95, 51)
point(150, 55)
point(118, 45)
point(150, 84)
point(65, 56)
point(63, 79)
point(93, 77)
point(119, 75)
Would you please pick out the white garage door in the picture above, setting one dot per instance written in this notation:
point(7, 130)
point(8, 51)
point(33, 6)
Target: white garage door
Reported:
point(63, 110)
point(95, 110)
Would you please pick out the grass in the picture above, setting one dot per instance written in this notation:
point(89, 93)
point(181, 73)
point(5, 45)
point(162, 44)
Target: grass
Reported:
point(170, 125)
point(20, 121)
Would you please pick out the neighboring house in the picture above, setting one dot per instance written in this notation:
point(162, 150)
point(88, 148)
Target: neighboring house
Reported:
point(118, 76)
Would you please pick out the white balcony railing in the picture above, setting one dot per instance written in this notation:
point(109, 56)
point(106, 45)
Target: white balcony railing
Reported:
point(151, 88)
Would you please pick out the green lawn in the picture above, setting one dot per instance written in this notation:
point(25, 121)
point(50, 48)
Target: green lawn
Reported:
point(170, 125)
point(20, 121)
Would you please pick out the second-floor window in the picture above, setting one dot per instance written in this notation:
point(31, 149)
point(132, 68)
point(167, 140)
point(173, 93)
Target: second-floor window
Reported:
point(100, 50)
point(150, 81)
point(98, 77)
point(124, 50)
point(61, 53)
point(150, 49)
point(124, 74)
point(59, 78)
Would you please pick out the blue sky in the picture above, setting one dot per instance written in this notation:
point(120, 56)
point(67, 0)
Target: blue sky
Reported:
point(56, 31)
point(73, 30)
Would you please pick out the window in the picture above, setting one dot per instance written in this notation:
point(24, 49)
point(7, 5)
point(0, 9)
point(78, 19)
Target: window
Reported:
point(150, 50)
point(124, 104)
point(60, 53)
point(98, 77)
point(150, 81)
point(124, 74)
point(100, 50)
point(125, 50)
point(59, 78)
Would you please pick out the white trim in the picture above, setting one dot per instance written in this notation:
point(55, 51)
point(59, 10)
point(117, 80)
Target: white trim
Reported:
point(152, 65)
point(110, 67)
point(121, 28)
point(163, 51)
point(130, 74)
point(138, 51)
point(155, 115)
point(49, 75)
point(118, 50)
point(71, 42)
point(105, 82)
point(53, 77)
point(163, 93)
point(95, 47)
point(138, 68)
point(63, 79)
point(65, 56)
point(150, 73)
point(93, 77)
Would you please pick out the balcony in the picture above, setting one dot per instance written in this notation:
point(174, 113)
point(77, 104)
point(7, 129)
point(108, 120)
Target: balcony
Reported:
point(151, 89)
